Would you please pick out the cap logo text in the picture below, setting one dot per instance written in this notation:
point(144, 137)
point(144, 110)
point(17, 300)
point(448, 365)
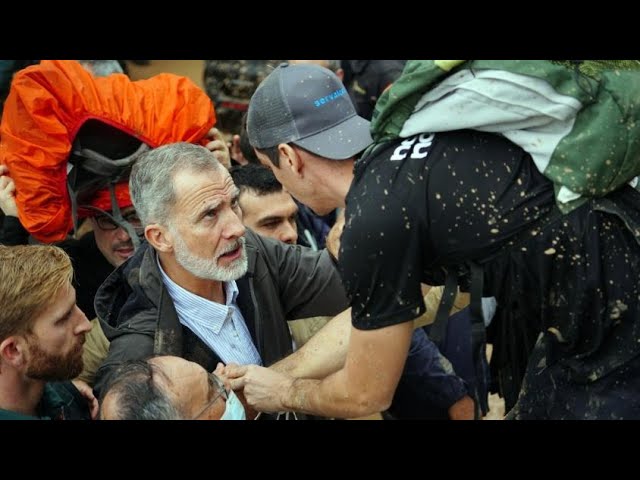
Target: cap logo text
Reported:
point(329, 98)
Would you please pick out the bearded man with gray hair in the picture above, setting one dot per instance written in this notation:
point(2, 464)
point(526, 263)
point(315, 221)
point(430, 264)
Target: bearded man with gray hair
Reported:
point(203, 287)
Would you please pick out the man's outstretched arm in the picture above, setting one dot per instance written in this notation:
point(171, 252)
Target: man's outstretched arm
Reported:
point(323, 354)
point(364, 385)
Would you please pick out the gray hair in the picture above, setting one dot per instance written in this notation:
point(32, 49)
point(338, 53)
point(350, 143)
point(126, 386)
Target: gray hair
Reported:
point(152, 178)
point(136, 393)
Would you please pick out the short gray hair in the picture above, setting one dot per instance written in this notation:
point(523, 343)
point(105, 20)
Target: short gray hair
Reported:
point(152, 178)
point(137, 395)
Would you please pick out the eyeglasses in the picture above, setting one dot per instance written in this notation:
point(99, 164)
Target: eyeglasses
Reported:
point(216, 388)
point(107, 223)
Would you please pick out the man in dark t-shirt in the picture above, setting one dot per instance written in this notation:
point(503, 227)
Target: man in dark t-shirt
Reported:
point(420, 206)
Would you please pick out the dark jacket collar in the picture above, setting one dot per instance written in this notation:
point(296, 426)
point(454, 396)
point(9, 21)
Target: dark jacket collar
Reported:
point(137, 286)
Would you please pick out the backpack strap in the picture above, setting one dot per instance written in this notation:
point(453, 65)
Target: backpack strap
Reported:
point(438, 330)
point(103, 166)
point(116, 215)
point(111, 171)
point(478, 335)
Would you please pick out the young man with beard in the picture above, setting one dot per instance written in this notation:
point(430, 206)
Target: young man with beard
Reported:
point(93, 256)
point(203, 288)
point(42, 332)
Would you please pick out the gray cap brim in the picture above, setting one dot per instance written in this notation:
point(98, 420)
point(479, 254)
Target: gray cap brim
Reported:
point(341, 141)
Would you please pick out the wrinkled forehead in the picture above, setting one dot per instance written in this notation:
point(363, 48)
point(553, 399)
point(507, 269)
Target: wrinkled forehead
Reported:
point(216, 179)
point(176, 367)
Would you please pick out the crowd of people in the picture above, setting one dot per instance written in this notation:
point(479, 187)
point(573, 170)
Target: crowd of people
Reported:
point(311, 239)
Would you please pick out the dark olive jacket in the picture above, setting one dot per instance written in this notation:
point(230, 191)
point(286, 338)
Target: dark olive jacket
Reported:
point(282, 282)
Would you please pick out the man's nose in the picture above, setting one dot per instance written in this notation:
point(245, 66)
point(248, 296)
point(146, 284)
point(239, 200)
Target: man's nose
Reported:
point(84, 325)
point(288, 234)
point(122, 235)
point(234, 228)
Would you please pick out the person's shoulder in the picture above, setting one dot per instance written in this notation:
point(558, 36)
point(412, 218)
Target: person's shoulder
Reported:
point(391, 164)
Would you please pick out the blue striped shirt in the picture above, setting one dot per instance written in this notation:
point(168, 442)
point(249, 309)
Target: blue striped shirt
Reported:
point(221, 327)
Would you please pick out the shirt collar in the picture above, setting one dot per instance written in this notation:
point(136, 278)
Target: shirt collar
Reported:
point(230, 288)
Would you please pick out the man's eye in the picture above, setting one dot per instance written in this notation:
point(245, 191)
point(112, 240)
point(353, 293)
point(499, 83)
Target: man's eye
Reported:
point(235, 203)
point(132, 218)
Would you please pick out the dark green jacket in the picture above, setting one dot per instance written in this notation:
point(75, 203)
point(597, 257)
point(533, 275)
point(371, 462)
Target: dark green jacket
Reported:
point(60, 401)
point(282, 282)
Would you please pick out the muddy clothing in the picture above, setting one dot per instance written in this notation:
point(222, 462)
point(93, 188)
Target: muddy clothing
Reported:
point(367, 79)
point(60, 401)
point(230, 84)
point(282, 281)
point(445, 200)
point(90, 267)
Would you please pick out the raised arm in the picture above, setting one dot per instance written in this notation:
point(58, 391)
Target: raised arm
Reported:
point(363, 386)
point(323, 354)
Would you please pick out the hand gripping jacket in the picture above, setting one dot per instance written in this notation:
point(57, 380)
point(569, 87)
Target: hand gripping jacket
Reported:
point(46, 109)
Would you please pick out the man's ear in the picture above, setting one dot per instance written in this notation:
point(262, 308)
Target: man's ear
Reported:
point(291, 159)
point(13, 351)
point(159, 237)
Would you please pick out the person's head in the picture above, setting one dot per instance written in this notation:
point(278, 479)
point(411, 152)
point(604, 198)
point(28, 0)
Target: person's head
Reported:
point(333, 65)
point(300, 116)
point(42, 331)
point(266, 207)
point(188, 205)
point(168, 388)
point(98, 140)
point(112, 240)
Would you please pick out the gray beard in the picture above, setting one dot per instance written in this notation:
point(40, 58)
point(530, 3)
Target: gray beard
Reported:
point(207, 268)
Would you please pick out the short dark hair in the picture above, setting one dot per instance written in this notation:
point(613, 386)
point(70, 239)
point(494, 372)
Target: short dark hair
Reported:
point(137, 394)
point(257, 178)
point(272, 154)
point(245, 147)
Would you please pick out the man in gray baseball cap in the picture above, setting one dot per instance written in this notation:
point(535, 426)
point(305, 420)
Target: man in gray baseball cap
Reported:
point(309, 107)
point(304, 127)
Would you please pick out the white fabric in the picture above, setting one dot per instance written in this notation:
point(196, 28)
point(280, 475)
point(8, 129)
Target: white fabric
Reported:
point(526, 110)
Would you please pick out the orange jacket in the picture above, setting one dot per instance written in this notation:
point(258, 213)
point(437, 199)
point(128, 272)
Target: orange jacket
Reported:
point(47, 105)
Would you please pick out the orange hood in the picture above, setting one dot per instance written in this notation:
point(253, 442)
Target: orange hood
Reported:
point(47, 105)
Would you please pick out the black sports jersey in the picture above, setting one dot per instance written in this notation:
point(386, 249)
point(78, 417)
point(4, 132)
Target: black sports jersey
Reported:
point(426, 200)
point(432, 201)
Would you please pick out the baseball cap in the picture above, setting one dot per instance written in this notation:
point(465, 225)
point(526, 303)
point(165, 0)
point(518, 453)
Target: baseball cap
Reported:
point(306, 105)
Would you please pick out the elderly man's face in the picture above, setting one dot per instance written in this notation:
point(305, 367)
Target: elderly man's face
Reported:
point(206, 227)
point(193, 390)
